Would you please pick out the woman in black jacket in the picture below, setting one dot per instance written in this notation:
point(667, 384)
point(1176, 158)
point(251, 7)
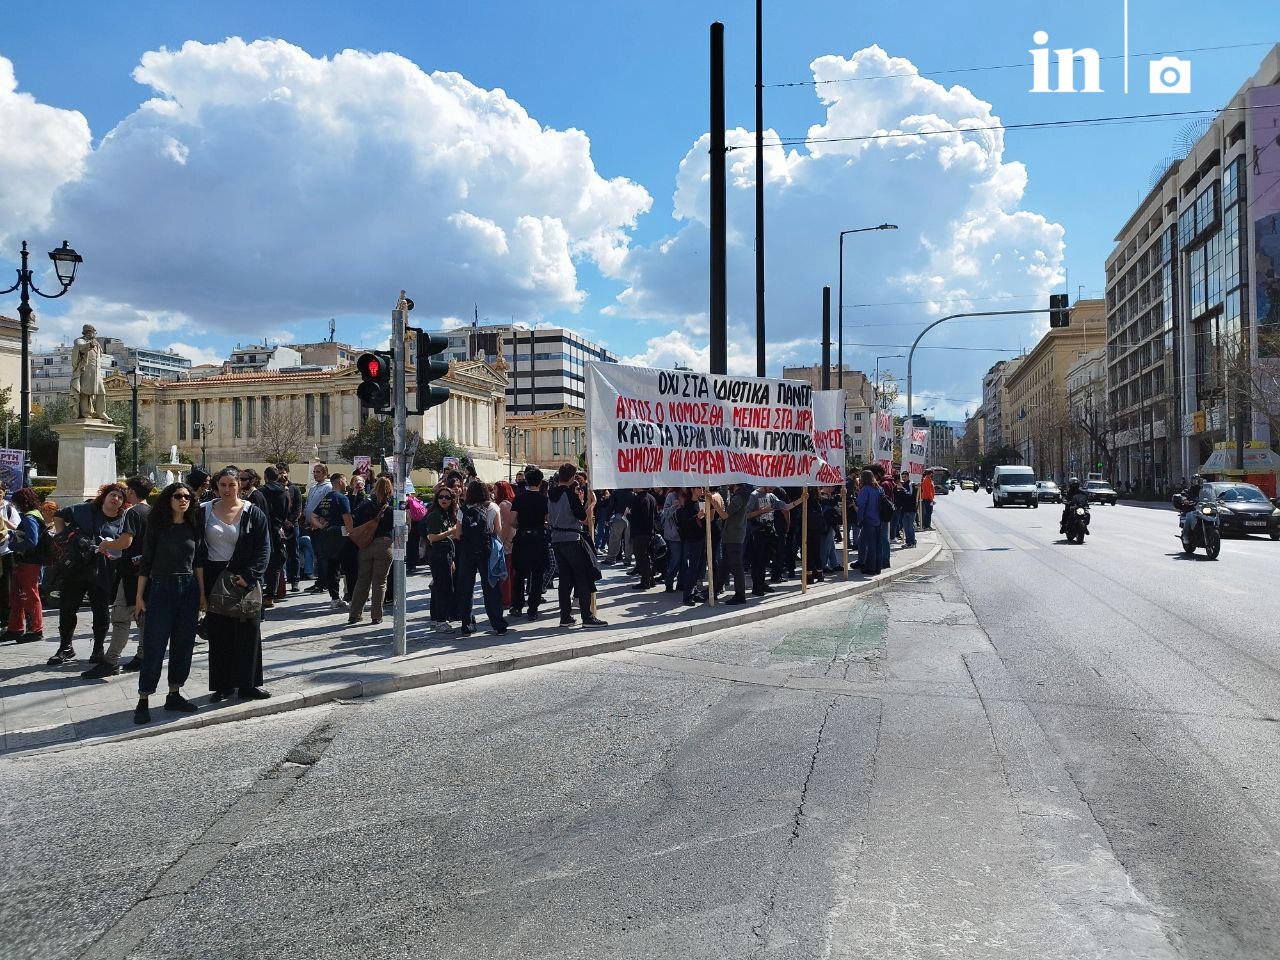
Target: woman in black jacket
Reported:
point(236, 542)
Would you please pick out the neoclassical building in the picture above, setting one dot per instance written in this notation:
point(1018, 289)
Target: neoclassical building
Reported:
point(543, 439)
point(220, 418)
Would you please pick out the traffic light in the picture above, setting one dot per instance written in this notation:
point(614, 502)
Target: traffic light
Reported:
point(430, 367)
point(375, 380)
point(1059, 312)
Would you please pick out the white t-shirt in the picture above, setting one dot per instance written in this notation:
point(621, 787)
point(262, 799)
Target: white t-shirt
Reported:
point(219, 537)
point(10, 513)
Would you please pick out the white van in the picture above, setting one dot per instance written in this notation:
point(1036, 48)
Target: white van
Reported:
point(1014, 484)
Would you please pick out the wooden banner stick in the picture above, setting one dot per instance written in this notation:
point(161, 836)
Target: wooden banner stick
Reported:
point(708, 513)
point(804, 540)
point(844, 524)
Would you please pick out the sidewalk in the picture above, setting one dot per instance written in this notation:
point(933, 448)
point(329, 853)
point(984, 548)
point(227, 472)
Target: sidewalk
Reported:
point(311, 656)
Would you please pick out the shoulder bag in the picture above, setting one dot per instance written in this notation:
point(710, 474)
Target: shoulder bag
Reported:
point(363, 535)
point(228, 599)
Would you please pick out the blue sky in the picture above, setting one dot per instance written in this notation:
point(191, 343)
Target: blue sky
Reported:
point(633, 78)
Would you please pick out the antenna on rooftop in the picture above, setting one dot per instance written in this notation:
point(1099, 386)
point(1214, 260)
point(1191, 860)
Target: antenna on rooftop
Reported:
point(333, 325)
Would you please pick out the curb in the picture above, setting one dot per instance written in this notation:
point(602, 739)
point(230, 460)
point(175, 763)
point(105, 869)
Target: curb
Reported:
point(411, 676)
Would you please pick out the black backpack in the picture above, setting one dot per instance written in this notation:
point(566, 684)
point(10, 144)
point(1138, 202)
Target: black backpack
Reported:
point(886, 506)
point(474, 542)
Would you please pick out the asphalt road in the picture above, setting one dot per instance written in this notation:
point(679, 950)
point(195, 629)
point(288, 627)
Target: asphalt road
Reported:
point(1030, 750)
point(1156, 678)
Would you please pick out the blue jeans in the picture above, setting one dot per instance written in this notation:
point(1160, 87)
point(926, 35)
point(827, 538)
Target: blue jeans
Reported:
point(884, 546)
point(306, 556)
point(895, 525)
point(927, 517)
point(693, 567)
point(828, 556)
point(173, 608)
point(675, 561)
point(909, 527)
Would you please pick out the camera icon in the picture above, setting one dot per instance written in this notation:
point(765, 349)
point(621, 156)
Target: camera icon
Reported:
point(1170, 75)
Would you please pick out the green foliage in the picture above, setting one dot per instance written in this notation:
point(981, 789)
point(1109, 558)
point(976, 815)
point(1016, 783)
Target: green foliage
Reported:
point(432, 453)
point(44, 442)
point(376, 439)
point(42, 492)
point(121, 411)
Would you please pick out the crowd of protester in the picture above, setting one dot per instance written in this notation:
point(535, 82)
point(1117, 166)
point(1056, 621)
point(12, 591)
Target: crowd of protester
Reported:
point(203, 563)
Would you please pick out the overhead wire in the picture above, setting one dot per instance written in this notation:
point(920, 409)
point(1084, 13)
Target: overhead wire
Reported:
point(1009, 66)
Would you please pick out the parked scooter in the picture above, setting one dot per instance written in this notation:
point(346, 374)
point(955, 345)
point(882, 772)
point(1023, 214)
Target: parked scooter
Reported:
point(1199, 527)
point(1077, 524)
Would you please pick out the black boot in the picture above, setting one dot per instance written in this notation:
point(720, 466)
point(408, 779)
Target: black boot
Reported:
point(98, 651)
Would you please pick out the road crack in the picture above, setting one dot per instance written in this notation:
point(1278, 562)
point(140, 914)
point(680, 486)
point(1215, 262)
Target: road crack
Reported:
point(203, 855)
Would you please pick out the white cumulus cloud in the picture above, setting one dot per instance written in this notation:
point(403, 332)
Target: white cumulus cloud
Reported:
point(41, 148)
point(263, 184)
point(964, 241)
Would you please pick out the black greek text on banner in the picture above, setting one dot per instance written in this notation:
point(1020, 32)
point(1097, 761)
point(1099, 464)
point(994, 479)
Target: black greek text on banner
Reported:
point(676, 428)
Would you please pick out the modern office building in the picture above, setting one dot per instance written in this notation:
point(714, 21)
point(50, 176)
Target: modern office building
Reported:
point(545, 366)
point(149, 362)
point(51, 372)
point(1184, 295)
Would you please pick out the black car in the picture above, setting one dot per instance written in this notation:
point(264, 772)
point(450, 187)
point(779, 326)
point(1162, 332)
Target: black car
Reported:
point(1048, 492)
point(1242, 508)
point(1099, 491)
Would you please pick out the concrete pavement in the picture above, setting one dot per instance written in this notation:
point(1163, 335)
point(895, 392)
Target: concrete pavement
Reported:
point(311, 656)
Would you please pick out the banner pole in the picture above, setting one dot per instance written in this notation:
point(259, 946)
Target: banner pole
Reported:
point(844, 524)
point(804, 539)
point(711, 572)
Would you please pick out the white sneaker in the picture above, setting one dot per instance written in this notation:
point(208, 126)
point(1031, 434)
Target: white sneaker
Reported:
point(337, 605)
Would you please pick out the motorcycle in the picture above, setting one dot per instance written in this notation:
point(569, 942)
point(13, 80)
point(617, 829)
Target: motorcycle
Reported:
point(1199, 528)
point(1077, 524)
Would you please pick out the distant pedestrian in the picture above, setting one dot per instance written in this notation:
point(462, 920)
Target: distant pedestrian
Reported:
point(374, 559)
point(567, 516)
point(869, 497)
point(927, 494)
point(479, 523)
point(30, 543)
point(734, 542)
point(530, 544)
point(906, 504)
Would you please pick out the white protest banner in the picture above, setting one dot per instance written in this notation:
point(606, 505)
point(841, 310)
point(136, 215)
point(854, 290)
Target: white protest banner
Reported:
point(882, 451)
point(918, 451)
point(13, 465)
point(828, 434)
point(676, 428)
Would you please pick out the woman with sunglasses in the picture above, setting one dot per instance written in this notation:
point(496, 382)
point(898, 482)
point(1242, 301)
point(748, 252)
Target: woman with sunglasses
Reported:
point(441, 523)
point(235, 537)
point(171, 595)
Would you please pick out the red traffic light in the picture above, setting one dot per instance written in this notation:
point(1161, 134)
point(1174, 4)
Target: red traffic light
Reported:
point(375, 380)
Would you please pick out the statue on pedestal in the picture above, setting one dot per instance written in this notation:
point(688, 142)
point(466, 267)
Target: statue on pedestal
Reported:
point(87, 389)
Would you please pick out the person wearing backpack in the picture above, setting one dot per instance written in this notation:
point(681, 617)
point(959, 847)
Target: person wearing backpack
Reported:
point(479, 523)
point(30, 545)
point(869, 505)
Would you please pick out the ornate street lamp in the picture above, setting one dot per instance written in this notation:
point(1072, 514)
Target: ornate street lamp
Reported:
point(65, 261)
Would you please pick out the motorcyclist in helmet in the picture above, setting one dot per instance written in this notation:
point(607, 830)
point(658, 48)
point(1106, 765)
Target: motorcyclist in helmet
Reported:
point(1076, 497)
point(1191, 494)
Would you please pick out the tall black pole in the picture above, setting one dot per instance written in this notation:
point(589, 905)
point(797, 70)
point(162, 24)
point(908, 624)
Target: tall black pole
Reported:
point(826, 338)
point(24, 316)
point(719, 283)
point(760, 345)
point(840, 319)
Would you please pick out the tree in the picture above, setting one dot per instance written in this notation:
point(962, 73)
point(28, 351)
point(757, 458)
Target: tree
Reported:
point(44, 442)
point(1000, 456)
point(282, 436)
point(887, 393)
point(8, 419)
point(121, 411)
point(375, 440)
point(432, 453)
point(1100, 426)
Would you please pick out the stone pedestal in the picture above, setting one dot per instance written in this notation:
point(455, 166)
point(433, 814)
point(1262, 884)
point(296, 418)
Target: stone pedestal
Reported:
point(86, 459)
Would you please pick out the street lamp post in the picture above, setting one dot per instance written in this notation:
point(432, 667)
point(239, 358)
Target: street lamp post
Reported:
point(840, 299)
point(65, 261)
point(205, 426)
point(133, 386)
